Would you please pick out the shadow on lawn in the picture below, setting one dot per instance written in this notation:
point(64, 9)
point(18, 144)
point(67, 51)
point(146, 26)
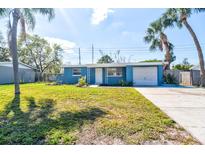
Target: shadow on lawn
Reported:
point(39, 125)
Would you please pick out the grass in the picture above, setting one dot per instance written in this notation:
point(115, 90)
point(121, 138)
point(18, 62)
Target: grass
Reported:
point(58, 114)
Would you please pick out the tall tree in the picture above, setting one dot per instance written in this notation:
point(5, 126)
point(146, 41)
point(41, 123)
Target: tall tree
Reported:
point(105, 59)
point(37, 52)
point(156, 36)
point(179, 17)
point(24, 16)
point(4, 51)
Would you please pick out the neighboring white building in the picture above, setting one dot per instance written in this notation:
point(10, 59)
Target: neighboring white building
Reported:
point(26, 73)
point(196, 68)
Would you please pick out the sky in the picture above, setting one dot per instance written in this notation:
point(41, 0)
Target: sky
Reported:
point(110, 30)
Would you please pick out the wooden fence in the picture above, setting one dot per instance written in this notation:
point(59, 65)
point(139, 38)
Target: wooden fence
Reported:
point(195, 77)
point(186, 78)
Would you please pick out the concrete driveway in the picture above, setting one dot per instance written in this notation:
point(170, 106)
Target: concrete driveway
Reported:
point(184, 105)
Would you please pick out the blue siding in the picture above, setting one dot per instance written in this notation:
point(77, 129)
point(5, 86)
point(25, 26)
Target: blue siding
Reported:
point(105, 81)
point(114, 80)
point(92, 76)
point(69, 78)
point(160, 75)
point(88, 75)
point(129, 74)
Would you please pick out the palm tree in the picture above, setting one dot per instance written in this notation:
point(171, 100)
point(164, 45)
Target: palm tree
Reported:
point(26, 17)
point(179, 17)
point(158, 39)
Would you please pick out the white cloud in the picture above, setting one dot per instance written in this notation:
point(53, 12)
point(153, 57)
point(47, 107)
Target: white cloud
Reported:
point(100, 14)
point(65, 44)
point(68, 47)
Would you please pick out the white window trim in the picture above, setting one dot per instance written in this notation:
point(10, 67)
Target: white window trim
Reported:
point(74, 74)
point(114, 75)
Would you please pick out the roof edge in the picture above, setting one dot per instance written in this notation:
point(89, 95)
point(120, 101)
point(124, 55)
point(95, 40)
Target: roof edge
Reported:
point(118, 64)
point(19, 63)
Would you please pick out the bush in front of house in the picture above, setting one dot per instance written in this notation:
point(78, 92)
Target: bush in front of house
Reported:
point(121, 83)
point(170, 79)
point(82, 82)
point(125, 83)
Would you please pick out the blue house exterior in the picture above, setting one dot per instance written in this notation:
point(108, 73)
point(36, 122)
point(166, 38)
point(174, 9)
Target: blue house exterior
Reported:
point(72, 79)
point(137, 74)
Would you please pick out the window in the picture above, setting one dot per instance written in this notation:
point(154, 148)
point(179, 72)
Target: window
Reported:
point(114, 72)
point(76, 71)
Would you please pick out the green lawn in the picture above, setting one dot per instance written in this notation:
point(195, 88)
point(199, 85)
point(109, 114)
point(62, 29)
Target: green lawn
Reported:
point(63, 114)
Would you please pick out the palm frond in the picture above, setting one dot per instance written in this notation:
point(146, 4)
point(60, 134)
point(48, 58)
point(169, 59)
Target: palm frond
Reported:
point(150, 35)
point(157, 25)
point(29, 18)
point(171, 46)
point(167, 22)
point(148, 38)
point(155, 44)
point(150, 31)
point(185, 11)
point(4, 12)
point(199, 10)
point(170, 18)
point(179, 24)
point(46, 12)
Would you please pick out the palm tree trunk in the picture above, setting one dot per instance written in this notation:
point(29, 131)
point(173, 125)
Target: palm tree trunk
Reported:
point(13, 48)
point(167, 56)
point(199, 50)
point(163, 39)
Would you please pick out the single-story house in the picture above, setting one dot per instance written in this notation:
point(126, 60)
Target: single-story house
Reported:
point(139, 74)
point(26, 73)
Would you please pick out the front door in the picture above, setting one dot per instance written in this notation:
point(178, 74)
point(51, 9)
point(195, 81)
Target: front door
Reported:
point(98, 76)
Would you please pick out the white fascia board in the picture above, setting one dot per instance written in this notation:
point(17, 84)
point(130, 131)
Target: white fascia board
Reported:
point(118, 64)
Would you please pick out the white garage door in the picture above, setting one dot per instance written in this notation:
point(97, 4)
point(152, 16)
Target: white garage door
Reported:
point(145, 76)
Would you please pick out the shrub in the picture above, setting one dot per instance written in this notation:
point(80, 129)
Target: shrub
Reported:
point(82, 82)
point(170, 79)
point(124, 83)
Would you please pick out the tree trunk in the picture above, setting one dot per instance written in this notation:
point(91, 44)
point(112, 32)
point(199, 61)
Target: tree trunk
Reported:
point(167, 56)
point(13, 48)
point(163, 38)
point(41, 76)
point(199, 50)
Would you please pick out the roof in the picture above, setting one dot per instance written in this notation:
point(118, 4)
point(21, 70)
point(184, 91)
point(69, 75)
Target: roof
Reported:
point(119, 64)
point(21, 65)
point(196, 67)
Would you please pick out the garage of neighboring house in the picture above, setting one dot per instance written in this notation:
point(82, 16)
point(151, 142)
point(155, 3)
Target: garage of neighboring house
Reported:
point(26, 73)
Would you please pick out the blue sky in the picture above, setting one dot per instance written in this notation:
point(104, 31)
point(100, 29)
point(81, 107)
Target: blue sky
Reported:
point(114, 29)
